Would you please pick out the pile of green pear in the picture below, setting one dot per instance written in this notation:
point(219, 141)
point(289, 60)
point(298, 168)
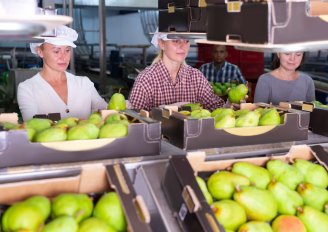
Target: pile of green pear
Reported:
point(277, 197)
point(67, 212)
point(222, 89)
point(115, 125)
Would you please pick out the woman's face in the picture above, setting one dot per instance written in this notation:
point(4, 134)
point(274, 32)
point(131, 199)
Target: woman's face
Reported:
point(55, 57)
point(175, 50)
point(291, 60)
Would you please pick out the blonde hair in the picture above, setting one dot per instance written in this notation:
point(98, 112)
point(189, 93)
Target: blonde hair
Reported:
point(158, 57)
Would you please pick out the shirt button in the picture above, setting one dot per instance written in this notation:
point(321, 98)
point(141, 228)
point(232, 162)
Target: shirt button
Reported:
point(67, 110)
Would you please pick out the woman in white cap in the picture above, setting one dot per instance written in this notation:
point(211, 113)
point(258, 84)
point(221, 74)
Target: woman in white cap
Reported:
point(53, 89)
point(170, 80)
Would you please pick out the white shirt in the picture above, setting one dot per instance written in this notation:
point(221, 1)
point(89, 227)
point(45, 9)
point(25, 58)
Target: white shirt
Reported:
point(36, 96)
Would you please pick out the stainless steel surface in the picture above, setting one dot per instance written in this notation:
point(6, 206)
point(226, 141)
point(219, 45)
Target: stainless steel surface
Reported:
point(137, 4)
point(102, 45)
point(189, 35)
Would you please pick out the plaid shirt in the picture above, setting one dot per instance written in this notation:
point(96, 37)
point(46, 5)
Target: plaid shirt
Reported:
point(228, 73)
point(154, 87)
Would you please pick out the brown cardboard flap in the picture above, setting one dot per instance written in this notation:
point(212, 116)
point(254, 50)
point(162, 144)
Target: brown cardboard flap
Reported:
point(93, 179)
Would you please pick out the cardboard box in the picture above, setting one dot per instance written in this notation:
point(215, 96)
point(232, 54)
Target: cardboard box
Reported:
point(90, 179)
point(318, 116)
point(188, 19)
point(181, 171)
point(264, 22)
point(143, 139)
point(172, 4)
point(193, 134)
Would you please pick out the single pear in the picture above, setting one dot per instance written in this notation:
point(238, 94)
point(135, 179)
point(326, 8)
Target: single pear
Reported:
point(259, 204)
point(60, 224)
point(83, 131)
point(95, 118)
point(313, 219)
point(249, 119)
point(38, 124)
point(69, 122)
point(313, 196)
point(113, 130)
point(95, 225)
point(109, 209)
point(313, 173)
point(255, 226)
point(193, 106)
point(276, 167)
point(10, 125)
point(222, 184)
point(238, 93)
point(229, 214)
point(22, 216)
point(115, 117)
point(198, 114)
point(185, 112)
point(117, 102)
point(227, 121)
point(42, 203)
point(270, 118)
point(241, 112)
point(202, 185)
point(223, 112)
point(52, 134)
point(288, 223)
point(287, 199)
point(259, 110)
point(258, 176)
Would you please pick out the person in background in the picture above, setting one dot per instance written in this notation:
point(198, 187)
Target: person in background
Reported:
point(170, 80)
point(285, 83)
point(220, 70)
point(53, 89)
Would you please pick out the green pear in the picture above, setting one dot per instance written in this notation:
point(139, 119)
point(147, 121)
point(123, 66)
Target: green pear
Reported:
point(198, 114)
point(222, 184)
point(117, 102)
point(95, 118)
point(249, 119)
point(313, 173)
point(227, 121)
point(259, 204)
point(109, 209)
point(270, 118)
point(238, 93)
point(241, 112)
point(285, 173)
point(22, 216)
point(10, 125)
point(116, 117)
point(313, 196)
point(38, 124)
point(217, 91)
point(202, 185)
point(52, 134)
point(255, 226)
point(113, 130)
point(258, 176)
point(60, 224)
point(259, 110)
point(221, 112)
point(287, 200)
point(69, 122)
point(78, 206)
point(288, 223)
point(94, 225)
point(313, 219)
point(193, 106)
point(185, 112)
point(42, 203)
point(83, 131)
point(229, 214)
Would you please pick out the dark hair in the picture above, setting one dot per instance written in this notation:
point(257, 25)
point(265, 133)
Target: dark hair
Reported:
point(276, 62)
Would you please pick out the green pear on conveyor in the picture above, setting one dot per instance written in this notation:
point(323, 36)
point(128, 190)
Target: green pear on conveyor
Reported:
point(116, 117)
point(198, 114)
point(38, 124)
point(258, 176)
point(222, 184)
point(313, 219)
point(61, 224)
point(259, 110)
point(10, 125)
point(227, 121)
point(52, 134)
point(255, 226)
point(113, 130)
point(259, 204)
point(117, 102)
point(109, 209)
point(229, 213)
point(95, 118)
point(42, 203)
point(288, 223)
point(288, 200)
point(313, 173)
point(83, 131)
point(285, 173)
point(22, 216)
point(241, 112)
point(202, 185)
point(249, 119)
point(270, 118)
point(95, 225)
point(69, 122)
point(219, 114)
point(313, 196)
